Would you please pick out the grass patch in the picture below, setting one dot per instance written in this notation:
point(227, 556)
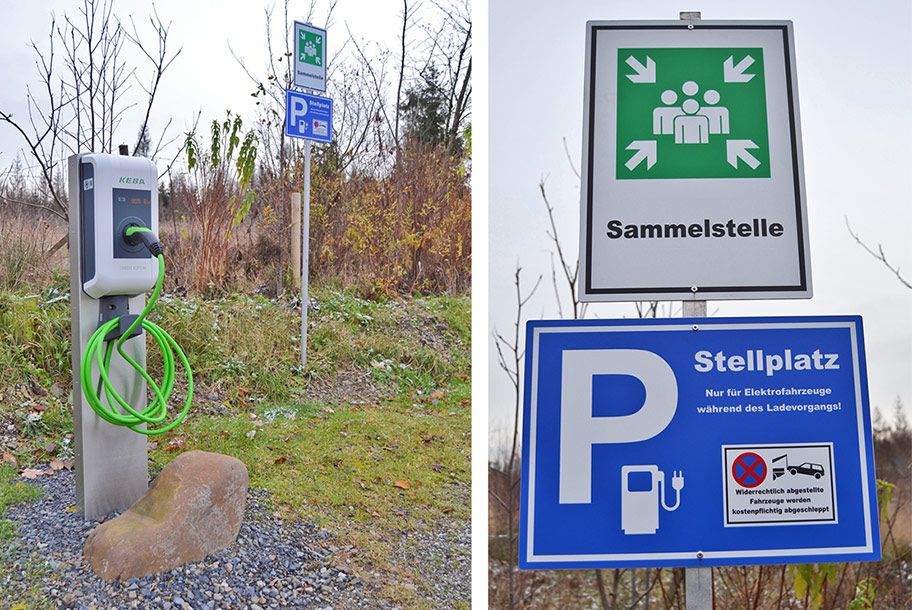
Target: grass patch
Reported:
point(349, 464)
point(34, 337)
point(13, 493)
point(32, 570)
point(371, 439)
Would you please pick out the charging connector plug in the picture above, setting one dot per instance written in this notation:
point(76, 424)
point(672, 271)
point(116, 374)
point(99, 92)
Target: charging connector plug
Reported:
point(134, 235)
point(677, 483)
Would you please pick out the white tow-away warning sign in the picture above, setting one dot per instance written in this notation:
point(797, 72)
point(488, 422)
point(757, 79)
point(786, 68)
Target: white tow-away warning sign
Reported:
point(779, 484)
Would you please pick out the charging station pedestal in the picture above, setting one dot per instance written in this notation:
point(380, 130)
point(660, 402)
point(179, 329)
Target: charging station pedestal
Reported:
point(106, 192)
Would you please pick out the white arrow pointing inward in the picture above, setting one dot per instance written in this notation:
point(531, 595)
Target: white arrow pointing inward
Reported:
point(738, 148)
point(735, 74)
point(646, 149)
point(645, 74)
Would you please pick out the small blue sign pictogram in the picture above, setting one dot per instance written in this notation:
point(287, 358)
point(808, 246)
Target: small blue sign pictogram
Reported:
point(749, 470)
point(696, 442)
point(308, 116)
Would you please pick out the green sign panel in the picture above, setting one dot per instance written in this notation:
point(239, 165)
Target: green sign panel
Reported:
point(310, 47)
point(691, 113)
point(309, 44)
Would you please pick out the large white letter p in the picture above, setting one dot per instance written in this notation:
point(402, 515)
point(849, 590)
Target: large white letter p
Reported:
point(580, 430)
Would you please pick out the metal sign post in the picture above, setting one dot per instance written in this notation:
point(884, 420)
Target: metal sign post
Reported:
point(305, 255)
point(309, 117)
point(698, 582)
point(693, 189)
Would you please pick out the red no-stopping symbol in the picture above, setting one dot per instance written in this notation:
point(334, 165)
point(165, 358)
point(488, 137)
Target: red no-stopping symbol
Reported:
point(749, 470)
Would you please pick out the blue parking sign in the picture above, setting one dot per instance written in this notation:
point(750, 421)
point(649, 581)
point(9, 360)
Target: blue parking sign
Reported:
point(308, 116)
point(696, 442)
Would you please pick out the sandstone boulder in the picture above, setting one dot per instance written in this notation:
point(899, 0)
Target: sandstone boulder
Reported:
point(193, 508)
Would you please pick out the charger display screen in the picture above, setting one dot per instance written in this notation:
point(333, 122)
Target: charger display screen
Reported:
point(130, 206)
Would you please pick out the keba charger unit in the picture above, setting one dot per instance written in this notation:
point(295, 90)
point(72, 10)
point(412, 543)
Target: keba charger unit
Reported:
point(116, 192)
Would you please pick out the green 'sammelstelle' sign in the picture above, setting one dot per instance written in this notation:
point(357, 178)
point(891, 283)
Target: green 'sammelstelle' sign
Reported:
point(691, 113)
point(310, 48)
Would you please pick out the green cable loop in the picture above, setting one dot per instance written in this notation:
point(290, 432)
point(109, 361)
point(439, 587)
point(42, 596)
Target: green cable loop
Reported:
point(156, 412)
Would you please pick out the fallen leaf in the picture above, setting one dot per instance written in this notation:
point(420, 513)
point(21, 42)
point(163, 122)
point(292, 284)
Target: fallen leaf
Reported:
point(250, 435)
point(177, 442)
point(224, 433)
point(402, 484)
point(281, 460)
point(152, 446)
point(68, 463)
point(31, 473)
point(49, 448)
point(56, 465)
point(39, 408)
point(437, 394)
point(9, 458)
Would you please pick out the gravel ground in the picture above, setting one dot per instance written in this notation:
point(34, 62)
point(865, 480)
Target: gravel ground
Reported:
point(273, 564)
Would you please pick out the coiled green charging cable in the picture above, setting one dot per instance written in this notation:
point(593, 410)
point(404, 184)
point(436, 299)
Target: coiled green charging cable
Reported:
point(156, 412)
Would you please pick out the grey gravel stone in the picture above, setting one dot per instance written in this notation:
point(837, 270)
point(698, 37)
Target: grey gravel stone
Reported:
point(273, 564)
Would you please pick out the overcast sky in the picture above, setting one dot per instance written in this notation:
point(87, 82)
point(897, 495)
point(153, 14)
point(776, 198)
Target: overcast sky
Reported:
point(855, 94)
point(205, 76)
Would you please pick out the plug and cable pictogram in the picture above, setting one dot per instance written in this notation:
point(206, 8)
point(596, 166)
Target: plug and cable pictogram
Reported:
point(642, 490)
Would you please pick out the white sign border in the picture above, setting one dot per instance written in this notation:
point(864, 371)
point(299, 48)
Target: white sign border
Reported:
point(308, 83)
point(532, 558)
point(589, 293)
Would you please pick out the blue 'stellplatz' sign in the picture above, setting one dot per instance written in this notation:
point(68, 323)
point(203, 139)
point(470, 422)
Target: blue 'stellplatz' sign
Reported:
point(308, 116)
point(696, 442)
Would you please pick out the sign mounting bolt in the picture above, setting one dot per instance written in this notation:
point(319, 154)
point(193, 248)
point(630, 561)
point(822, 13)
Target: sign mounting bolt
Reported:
point(696, 327)
point(699, 554)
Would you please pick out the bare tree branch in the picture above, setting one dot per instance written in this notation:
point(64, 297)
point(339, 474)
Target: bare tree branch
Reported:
point(160, 62)
point(879, 255)
point(512, 369)
point(570, 159)
point(86, 96)
point(570, 272)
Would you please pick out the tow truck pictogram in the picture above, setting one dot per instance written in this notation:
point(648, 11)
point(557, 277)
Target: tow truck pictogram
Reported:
point(808, 468)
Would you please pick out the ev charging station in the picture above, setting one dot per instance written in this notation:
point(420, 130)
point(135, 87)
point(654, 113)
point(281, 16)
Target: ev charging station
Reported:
point(108, 279)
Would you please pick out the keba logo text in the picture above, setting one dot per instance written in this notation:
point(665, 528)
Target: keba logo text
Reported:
point(125, 180)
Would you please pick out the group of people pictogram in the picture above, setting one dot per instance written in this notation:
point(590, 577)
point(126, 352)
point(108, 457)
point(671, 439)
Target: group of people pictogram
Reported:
point(691, 122)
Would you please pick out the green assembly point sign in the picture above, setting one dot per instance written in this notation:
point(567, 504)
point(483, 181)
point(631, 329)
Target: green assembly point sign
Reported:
point(310, 48)
point(692, 172)
point(691, 113)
